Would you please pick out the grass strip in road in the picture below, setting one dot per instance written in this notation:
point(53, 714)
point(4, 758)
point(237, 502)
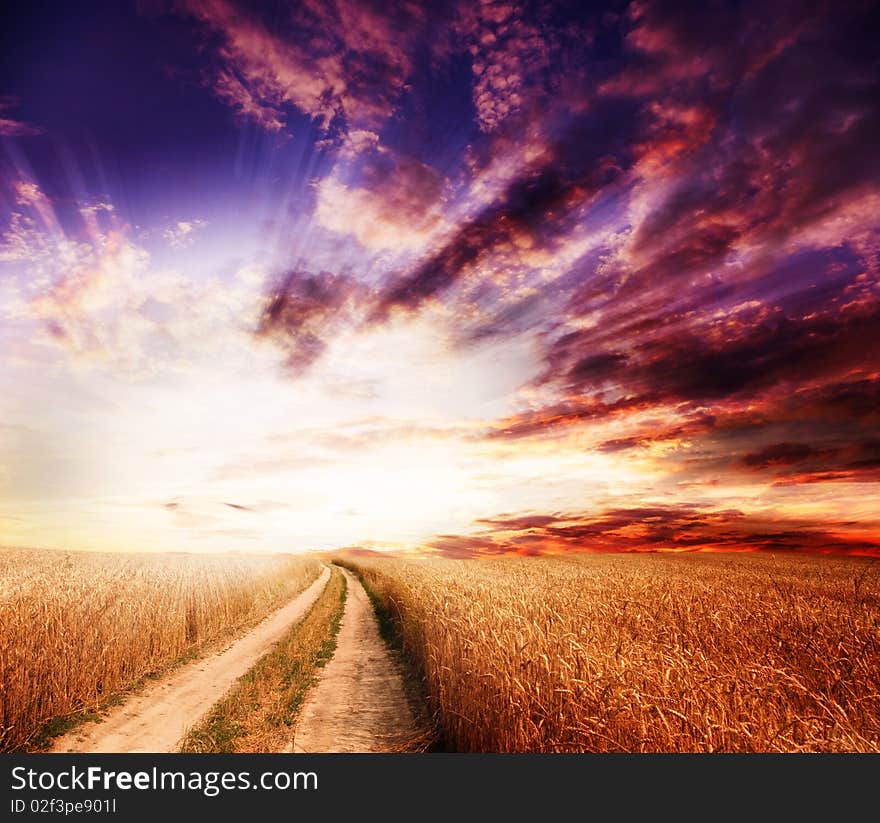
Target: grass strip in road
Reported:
point(259, 711)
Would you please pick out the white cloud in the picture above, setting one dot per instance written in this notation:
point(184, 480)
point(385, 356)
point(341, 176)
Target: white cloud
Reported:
point(99, 297)
point(182, 233)
point(399, 207)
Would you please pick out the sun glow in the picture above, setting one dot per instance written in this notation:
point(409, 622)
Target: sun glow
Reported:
point(315, 295)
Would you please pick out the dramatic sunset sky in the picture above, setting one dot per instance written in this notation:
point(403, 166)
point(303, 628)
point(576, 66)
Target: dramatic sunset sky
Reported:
point(468, 277)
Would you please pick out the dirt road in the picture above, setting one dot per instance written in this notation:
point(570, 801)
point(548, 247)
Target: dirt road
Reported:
point(359, 703)
point(156, 719)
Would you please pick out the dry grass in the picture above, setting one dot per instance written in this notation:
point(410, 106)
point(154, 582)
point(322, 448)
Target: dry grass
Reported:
point(643, 652)
point(258, 713)
point(77, 629)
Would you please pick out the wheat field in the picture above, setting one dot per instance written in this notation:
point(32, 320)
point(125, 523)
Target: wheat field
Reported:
point(79, 628)
point(638, 653)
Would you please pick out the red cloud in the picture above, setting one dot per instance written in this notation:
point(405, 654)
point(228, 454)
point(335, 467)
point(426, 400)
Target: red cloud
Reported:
point(330, 60)
point(651, 528)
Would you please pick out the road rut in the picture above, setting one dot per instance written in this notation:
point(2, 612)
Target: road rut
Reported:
point(359, 703)
point(157, 718)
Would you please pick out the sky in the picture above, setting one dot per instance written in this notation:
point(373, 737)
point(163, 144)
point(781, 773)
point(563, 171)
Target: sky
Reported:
point(459, 278)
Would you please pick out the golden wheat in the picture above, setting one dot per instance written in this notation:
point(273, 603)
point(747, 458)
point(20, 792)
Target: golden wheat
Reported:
point(78, 628)
point(643, 652)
